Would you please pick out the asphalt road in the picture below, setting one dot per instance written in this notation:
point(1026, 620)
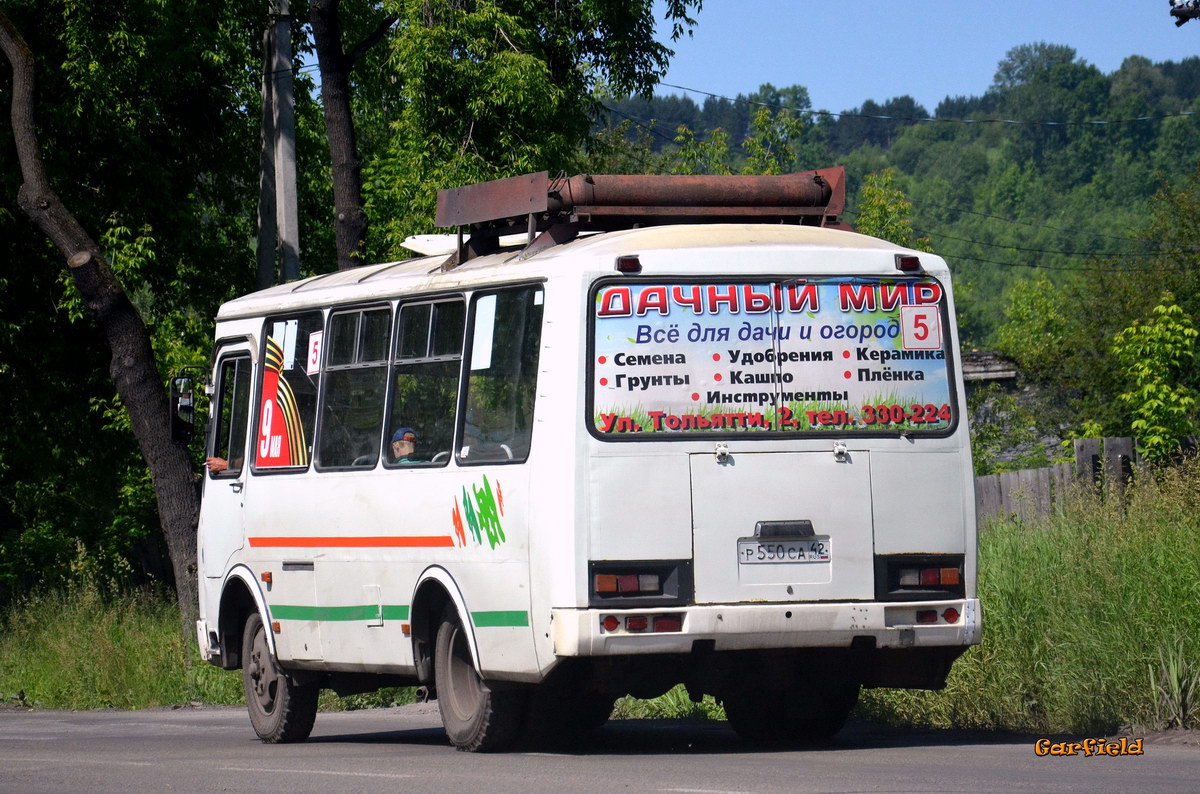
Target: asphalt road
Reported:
point(403, 749)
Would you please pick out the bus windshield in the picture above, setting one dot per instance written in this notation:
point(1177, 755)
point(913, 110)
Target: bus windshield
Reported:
point(862, 355)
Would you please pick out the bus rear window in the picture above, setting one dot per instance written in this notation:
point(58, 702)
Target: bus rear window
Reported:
point(844, 354)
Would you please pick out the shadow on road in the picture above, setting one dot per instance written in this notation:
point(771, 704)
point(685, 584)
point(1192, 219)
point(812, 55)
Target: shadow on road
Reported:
point(658, 737)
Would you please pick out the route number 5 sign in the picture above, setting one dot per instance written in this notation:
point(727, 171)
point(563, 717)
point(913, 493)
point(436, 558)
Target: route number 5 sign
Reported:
point(921, 327)
point(313, 364)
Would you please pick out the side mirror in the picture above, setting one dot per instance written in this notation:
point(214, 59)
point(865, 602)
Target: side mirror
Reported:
point(183, 409)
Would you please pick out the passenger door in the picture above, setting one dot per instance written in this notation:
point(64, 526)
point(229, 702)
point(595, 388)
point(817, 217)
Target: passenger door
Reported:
point(221, 514)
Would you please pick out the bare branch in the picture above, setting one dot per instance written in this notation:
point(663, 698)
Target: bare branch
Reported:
point(515, 48)
point(374, 38)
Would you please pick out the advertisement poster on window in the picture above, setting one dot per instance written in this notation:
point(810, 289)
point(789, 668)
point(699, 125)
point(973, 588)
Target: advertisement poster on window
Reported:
point(281, 439)
point(803, 355)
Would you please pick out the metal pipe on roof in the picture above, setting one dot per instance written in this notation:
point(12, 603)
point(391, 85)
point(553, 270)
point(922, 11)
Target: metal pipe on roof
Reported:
point(631, 190)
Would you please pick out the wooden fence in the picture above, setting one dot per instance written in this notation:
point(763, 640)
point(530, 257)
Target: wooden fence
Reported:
point(1034, 493)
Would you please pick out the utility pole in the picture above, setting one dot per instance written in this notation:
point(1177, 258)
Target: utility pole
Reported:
point(277, 196)
point(266, 274)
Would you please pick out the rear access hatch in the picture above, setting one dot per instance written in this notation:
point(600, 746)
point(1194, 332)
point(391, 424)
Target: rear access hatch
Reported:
point(789, 526)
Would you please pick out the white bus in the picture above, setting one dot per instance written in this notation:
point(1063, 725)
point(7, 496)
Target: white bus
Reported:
point(681, 431)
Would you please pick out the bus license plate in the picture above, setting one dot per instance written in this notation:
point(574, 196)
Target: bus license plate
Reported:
point(753, 552)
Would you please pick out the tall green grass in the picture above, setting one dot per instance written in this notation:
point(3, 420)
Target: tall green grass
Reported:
point(91, 646)
point(674, 705)
point(1090, 619)
point(96, 645)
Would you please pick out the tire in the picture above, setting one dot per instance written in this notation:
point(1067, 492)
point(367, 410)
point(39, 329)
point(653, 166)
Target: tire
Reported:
point(280, 710)
point(477, 717)
point(792, 716)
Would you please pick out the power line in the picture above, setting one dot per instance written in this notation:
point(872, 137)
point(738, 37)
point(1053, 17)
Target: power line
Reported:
point(1095, 254)
point(1068, 268)
point(929, 119)
point(648, 127)
point(1044, 252)
point(1017, 221)
point(1037, 265)
point(1157, 249)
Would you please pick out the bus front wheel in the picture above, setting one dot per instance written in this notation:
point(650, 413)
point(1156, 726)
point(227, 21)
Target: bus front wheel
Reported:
point(477, 717)
point(280, 709)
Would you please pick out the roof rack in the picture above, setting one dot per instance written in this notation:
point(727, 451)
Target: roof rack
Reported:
point(551, 212)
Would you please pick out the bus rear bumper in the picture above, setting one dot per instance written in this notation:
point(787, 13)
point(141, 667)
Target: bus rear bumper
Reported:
point(591, 632)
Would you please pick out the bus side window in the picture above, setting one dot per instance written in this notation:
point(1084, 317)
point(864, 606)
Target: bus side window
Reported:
point(428, 357)
point(355, 384)
point(502, 377)
point(287, 409)
point(232, 414)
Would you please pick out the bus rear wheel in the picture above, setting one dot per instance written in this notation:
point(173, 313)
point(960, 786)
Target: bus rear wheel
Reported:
point(478, 717)
point(280, 710)
point(795, 715)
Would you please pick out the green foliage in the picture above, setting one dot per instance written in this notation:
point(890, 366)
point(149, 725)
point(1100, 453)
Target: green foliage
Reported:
point(1176, 682)
point(143, 121)
point(613, 151)
point(1152, 354)
point(885, 212)
point(383, 698)
point(697, 156)
point(149, 120)
point(1004, 201)
point(1061, 331)
point(1036, 327)
point(1025, 63)
point(497, 88)
point(674, 705)
point(774, 142)
point(92, 643)
point(1006, 434)
point(769, 148)
point(1077, 608)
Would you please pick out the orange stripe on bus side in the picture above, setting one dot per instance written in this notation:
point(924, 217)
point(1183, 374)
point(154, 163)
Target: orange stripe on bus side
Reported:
point(385, 541)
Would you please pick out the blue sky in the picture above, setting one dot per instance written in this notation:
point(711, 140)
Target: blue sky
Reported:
point(848, 52)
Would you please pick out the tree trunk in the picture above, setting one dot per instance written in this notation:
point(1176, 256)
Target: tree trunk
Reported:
point(350, 227)
point(132, 368)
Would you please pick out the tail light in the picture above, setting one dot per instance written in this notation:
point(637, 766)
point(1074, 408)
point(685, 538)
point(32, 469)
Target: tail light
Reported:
point(668, 623)
point(624, 584)
point(638, 624)
point(929, 577)
point(627, 584)
point(919, 577)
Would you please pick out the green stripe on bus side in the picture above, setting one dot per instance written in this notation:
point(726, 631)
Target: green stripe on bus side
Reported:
point(500, 618)
point(354, 612)
point(488, 619)
point(395, 612)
